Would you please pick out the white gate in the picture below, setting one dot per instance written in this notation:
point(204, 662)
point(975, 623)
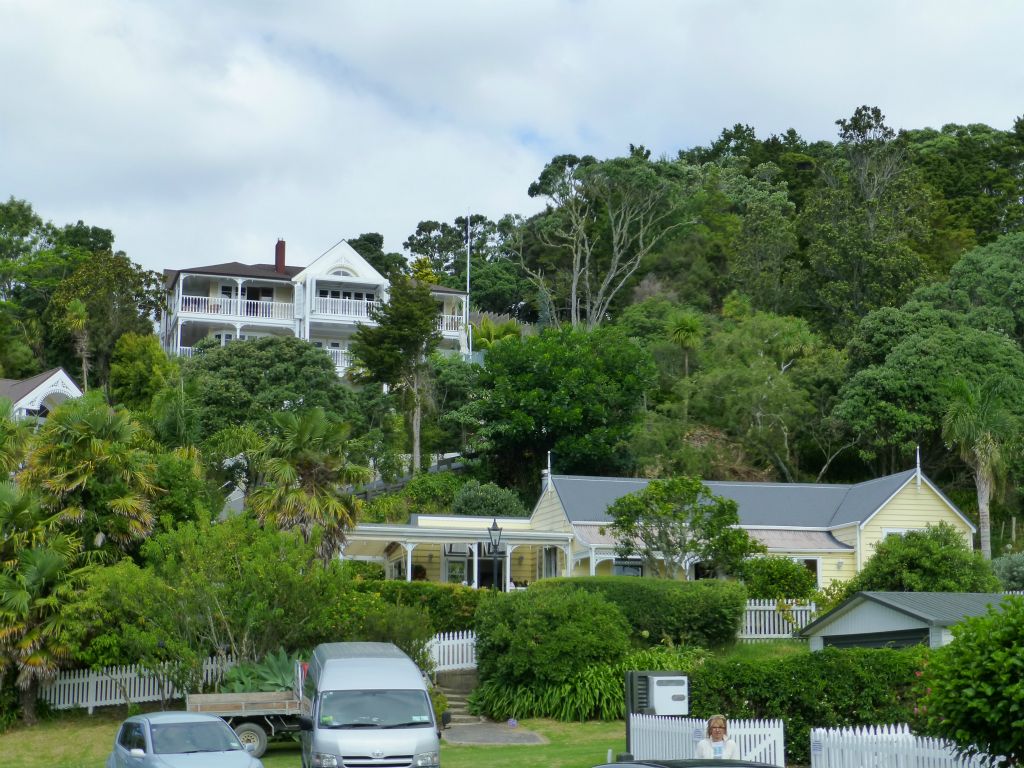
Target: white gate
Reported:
point(453, 650)
point(764, 621)
point(884, 746)
point(652, 737)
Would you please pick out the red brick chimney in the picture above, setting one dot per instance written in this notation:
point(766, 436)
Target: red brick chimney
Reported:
point(279, 257)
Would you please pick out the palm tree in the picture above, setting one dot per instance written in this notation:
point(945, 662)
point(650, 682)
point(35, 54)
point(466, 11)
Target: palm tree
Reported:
point(76, 318)
point(979, 424)
point(35, 590)
point(686, 330)
point(14, 436)
point(89, 466)
point(307, 480)
point(489, 332)
point(23, 522)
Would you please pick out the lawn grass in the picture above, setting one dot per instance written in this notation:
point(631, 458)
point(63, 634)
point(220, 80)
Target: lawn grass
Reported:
point(772, 649)
point(78, 740)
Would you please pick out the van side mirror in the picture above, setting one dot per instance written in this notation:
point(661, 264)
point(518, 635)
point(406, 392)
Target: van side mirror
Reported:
point(305, 723)
point(136, 752)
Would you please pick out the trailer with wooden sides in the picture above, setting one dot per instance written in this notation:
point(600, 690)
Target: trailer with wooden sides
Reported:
point(255, 717)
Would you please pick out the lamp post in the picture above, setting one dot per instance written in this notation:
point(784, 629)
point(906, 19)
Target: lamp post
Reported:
point(494, 534)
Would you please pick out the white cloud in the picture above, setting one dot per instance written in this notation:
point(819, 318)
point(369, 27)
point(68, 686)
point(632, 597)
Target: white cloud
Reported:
point(200, 132)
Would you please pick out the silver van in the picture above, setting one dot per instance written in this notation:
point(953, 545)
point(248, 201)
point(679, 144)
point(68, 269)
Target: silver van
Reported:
point(367, 705)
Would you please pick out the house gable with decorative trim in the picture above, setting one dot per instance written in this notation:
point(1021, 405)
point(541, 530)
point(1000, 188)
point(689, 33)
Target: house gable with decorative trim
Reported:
point(39, 394)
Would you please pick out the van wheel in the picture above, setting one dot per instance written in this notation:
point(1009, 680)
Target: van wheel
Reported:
point(250, 733)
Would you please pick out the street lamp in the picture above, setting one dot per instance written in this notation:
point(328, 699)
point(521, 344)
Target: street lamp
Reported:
point(494, 534)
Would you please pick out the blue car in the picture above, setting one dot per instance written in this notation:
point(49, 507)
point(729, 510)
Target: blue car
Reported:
point(179, 740)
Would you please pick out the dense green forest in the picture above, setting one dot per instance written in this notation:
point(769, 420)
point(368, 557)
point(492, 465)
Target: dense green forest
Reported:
point(756, 308)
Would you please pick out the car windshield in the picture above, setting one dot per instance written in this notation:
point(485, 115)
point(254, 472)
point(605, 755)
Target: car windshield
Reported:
point(183, 738)
point(374, 709)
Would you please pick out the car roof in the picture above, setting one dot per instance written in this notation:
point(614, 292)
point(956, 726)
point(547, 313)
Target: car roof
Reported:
point(161, 718)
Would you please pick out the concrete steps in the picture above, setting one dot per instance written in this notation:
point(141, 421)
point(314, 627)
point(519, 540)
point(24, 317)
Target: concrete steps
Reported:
point(458, 706)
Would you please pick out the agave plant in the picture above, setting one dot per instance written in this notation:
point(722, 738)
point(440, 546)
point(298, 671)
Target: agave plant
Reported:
point(275, 672)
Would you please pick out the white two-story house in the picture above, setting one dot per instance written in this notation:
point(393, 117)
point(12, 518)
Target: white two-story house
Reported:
point(323, 303)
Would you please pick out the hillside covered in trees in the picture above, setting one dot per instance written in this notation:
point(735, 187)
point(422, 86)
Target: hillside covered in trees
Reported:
point(756, 308)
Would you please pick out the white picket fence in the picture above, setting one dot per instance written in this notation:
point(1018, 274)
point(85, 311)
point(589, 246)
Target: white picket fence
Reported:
point(453, 650)
point(652, 737)
point(884, 746)
point(87, 688)
point(764, 621)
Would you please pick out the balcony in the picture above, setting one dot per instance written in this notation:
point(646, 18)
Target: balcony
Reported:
point(450, 324)
point(358, 309)
point(342, 358)
point(225, 307)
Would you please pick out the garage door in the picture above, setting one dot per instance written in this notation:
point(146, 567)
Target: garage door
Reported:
point(899, 639)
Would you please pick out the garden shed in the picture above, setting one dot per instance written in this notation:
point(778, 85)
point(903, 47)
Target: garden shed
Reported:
point(895, 619)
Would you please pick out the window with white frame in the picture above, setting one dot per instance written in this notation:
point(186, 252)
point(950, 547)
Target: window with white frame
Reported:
point(627, 568)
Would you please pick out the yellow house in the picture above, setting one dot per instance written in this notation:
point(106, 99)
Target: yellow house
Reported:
point(832, 529)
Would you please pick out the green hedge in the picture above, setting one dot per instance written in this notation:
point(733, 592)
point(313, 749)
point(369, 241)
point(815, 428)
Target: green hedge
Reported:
point(451, 606)
point(593, 693)
point(828, 689)
point(707, 613)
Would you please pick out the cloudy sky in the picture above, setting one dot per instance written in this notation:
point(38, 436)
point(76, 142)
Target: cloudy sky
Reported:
point(200, 131)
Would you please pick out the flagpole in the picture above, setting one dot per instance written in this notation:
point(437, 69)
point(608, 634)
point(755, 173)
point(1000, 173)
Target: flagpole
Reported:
point(469, 327)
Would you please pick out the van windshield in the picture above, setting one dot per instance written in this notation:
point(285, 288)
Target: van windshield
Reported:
point(374, 709)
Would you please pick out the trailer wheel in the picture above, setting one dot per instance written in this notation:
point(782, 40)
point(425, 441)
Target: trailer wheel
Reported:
point(250, 733)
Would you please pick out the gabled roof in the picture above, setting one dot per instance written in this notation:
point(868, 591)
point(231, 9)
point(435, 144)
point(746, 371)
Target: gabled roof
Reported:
point(15, 389)
point(936, 609)
point(775, 505)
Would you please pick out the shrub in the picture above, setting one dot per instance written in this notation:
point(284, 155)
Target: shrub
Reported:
point(362, 570)
point(407, 626)
point(594, 693)
point(705, 613)
point(487, 500)
point(538, 638)
point(432, 492)
point(974, 687)
point(1009, 569)
point(776, 578)
point(450, 607)
point(828, 689)
point(936, 559)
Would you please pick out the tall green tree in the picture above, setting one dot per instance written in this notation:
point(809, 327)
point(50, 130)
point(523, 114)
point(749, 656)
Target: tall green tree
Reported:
point(246, 382)
point(120, 297)
point(573, 392)
point(981, 426)
point(672, 524)
point(139, 368)
point(395, 351)
point(306, 480)
point(606, 217)
point(865, 226)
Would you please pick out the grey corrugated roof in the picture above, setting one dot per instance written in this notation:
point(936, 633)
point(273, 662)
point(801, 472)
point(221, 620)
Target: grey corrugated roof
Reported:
point(15, 389)
point(936, 609)
point(799, 505)
point(796, 541)
point(235, 269)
